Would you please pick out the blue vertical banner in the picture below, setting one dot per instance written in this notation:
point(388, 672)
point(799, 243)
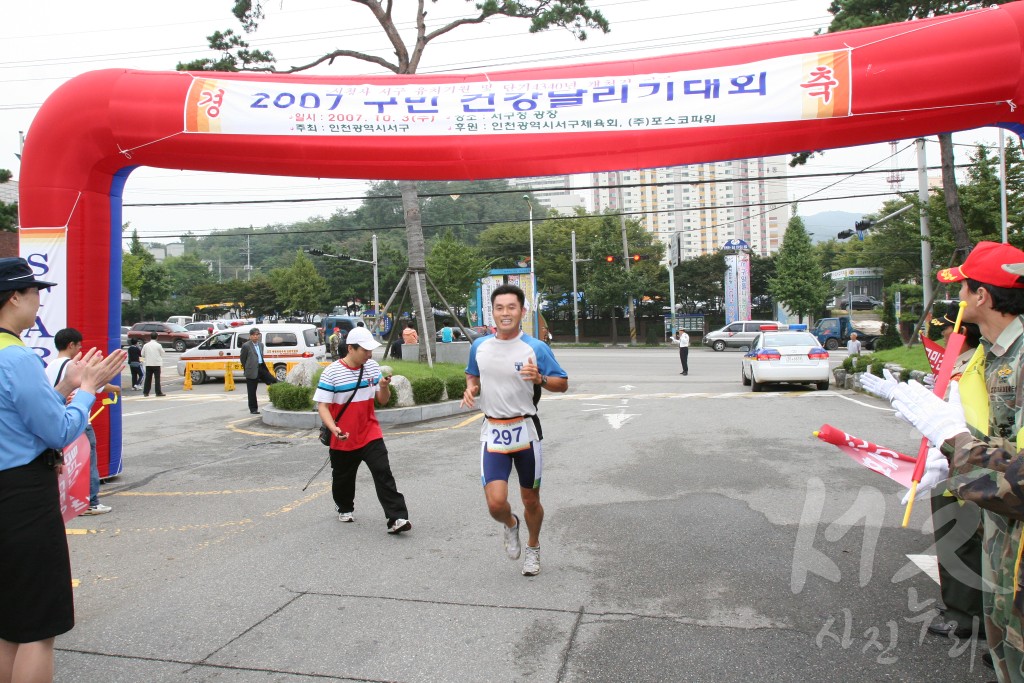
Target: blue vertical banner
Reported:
point(743, 284)
point(732, 304)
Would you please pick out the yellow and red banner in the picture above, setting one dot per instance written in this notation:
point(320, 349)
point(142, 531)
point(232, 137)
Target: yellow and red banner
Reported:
point(789, 88)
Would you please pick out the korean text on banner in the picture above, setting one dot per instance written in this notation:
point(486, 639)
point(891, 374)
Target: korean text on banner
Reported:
point(789, 88)
point(732, 304)
point(45, 249)
point(73, 480)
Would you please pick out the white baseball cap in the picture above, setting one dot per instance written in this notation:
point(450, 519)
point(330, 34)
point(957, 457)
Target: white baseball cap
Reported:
point(362, 337)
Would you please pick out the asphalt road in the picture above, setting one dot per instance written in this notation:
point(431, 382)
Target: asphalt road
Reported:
point(694, 531)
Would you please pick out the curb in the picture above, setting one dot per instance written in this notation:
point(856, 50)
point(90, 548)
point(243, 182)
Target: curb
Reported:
point(275, 417)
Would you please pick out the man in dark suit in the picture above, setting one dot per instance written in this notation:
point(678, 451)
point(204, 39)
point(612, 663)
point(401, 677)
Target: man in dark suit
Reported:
point(254, 367)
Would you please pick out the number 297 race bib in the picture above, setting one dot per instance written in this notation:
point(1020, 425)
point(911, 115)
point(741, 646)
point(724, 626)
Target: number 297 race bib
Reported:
point(507, 436)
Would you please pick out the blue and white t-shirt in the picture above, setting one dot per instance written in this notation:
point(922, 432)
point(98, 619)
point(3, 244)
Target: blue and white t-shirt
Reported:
point(503, 392)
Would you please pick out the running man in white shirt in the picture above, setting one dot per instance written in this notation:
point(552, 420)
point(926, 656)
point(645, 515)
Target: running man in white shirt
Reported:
point(506, 373)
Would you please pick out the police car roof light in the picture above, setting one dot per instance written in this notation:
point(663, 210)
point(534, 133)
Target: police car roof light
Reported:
point(802, 327)
point(769, 328)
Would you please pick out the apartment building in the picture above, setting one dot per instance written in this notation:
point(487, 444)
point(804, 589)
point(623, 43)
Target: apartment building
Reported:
point(708, 204)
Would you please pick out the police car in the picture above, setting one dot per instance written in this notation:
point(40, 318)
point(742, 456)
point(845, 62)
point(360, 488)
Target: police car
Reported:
point(785, 354)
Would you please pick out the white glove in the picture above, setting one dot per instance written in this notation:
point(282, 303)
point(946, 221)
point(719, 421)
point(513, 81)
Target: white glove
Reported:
point(936, 471)
point(937, 420)
point(882, 388)
point(929, 380)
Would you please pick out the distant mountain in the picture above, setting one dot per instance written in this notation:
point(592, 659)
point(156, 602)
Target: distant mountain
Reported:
point(824, 226)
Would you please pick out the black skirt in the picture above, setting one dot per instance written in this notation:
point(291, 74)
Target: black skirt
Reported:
point(36, 600)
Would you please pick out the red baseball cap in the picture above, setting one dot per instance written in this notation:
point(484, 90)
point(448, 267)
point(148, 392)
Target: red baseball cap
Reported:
point(985, 264)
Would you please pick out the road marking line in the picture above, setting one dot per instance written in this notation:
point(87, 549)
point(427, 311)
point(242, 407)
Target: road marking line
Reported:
point(200, 493)
point(929, 564)
point(861, 403)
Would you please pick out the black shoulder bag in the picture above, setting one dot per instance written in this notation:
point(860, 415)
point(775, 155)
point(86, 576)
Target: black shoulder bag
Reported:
point(325, 433)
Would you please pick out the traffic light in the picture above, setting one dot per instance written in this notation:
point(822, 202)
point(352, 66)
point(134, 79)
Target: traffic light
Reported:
point(315, 252)
point(611, 258)
point(639, 257)
point(845, 234)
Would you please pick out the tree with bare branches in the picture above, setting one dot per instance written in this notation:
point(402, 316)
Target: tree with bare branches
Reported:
point(236, 55)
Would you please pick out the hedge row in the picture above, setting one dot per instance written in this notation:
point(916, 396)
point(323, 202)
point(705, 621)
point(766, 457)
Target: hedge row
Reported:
point(285, 396)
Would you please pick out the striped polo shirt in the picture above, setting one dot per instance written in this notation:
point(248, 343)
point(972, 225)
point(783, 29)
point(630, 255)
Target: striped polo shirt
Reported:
point(360, 421)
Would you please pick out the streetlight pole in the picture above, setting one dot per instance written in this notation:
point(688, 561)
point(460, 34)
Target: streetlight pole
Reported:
point(575, 290)
point(533, 275)
point(376, 289)
point(376, 282)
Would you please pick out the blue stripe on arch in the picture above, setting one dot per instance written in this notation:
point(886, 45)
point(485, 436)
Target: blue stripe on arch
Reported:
point(116, 465)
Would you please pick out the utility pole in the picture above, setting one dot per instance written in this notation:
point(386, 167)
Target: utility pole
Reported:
point(625, 258)
point(575, 292)
point(248, 258)
point(926, 245)
point(376, 280)
point(1002, 184)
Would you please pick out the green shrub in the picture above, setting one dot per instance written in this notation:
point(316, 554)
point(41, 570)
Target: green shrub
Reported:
point(427, 389)
point(285, 396)
point(905, 374)
point(653, 338)
point(316, 377)
point(888, 342)
point(456, 387)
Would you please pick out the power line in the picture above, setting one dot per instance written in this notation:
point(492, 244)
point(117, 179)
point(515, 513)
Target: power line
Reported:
point(520, 190)
point(538, 220)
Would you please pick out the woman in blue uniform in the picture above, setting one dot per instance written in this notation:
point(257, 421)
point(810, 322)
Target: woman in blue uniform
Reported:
point(36, 603)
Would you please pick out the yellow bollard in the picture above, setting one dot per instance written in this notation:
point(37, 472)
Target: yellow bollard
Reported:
point(187, 386)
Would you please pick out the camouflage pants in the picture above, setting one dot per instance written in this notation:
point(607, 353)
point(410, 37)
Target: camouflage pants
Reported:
point(1003, 604)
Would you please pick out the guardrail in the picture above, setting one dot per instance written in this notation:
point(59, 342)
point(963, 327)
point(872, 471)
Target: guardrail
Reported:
point(229, 368)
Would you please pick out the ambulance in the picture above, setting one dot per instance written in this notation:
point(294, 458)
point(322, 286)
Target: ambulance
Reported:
point(285, 344)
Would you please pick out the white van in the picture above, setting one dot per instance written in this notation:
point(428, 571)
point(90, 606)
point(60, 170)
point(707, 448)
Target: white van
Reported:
point(180, 319)
point(285, 343)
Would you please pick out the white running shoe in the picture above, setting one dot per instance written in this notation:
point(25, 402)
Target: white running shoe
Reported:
point(531, 565)
point(512, 548)
point(99, 509)
point(346, 517)
point(399, 526)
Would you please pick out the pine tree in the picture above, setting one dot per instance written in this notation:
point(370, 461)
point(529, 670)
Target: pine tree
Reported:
point(799, 283)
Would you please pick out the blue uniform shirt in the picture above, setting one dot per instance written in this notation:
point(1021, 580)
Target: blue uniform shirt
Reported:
point(33, 415)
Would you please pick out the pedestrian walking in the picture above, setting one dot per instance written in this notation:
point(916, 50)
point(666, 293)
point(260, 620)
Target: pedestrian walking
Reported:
point(255, 367)
point(153, 359)
point(36, 422)
point(853, 346)
point(505, 375)
point(683, 340)
point(344, 398)
point(135, 363)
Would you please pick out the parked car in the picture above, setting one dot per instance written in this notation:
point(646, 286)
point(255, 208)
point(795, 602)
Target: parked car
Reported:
point(457, 334)
point(168, 334)
point(736, 335)
point(124, 336)
point(180, 319)
point(285, 343)
point(785, 356)
point(205, 328)
point(856, 302)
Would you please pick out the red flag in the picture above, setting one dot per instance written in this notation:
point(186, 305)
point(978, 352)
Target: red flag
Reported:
point(889, 463)
point(934, 351)
point(74, 479)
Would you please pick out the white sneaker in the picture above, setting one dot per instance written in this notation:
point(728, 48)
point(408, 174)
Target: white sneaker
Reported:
point(531, 565)
point(99, 509)
point(399, 526)
point(346, 517)
point(512, 547)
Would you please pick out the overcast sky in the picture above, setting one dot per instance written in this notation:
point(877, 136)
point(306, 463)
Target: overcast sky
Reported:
point(44, 43)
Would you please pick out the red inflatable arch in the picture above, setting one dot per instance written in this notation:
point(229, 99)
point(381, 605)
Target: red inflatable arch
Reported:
point(892, 82)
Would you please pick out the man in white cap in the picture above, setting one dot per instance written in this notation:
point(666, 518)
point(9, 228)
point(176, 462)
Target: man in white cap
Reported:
point(344, 398)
